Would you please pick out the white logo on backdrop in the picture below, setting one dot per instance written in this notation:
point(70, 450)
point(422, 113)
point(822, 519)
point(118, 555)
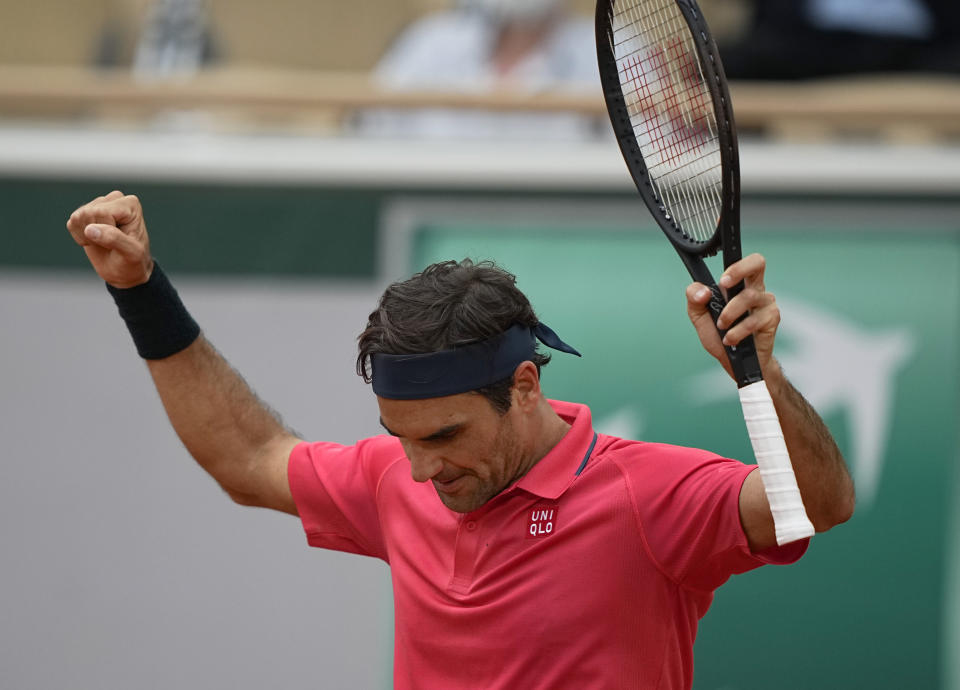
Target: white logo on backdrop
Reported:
point(623, 423)
point(838, 365)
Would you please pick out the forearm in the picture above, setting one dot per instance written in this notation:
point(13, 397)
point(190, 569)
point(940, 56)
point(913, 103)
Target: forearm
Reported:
point(822, 476)
point(233, 435)
point(228, 430)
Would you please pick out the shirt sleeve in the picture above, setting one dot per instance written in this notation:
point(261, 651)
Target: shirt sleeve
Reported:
point(688, 502)
point(335, 490)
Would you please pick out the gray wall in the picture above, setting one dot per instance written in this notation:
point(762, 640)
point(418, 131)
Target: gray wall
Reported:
point(124, 565)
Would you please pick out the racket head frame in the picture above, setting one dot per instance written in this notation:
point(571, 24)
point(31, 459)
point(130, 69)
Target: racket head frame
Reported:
point(743, 357)
point(727, 236)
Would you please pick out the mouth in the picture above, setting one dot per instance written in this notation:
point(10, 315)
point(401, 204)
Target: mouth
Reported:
point(449, 486)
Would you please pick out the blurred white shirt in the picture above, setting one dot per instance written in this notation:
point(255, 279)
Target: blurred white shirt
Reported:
point(451, 51)
point(905, 18)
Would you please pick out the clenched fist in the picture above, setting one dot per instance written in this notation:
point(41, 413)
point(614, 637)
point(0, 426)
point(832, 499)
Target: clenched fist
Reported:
point(112, 232)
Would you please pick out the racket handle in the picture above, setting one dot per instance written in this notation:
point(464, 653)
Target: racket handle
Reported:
point(763, 426)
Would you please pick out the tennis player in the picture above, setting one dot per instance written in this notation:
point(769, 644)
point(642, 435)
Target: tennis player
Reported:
point(526, 549)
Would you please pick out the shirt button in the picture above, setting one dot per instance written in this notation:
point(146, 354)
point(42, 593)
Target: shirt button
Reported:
point(471, 526)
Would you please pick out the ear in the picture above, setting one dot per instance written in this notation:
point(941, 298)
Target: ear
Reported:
point(526, 385)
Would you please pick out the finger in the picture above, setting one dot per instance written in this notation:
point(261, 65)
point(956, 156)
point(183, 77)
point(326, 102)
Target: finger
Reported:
point(117, 208)
point(749, 269)
point(757, 322)
point(75, 227)
point(748, 300)
point(733, 336)
point(116, 211)
point(110, 237)
point(84, 215)
point(698, 310)
point(698, 300)
point(87, 214)
point(93, 203)
point(698, 294)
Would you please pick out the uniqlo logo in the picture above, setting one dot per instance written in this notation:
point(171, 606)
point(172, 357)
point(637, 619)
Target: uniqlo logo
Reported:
point(543, 521)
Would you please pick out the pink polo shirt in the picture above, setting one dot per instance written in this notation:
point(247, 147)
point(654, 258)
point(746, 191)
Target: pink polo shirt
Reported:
point(592, 571)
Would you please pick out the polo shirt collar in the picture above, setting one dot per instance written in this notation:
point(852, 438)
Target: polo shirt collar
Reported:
point(556, 470)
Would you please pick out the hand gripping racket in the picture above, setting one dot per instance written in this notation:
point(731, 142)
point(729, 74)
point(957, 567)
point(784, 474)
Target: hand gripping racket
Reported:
point(670, 108)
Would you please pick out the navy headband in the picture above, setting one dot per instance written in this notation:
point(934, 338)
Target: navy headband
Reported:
point(462, 369)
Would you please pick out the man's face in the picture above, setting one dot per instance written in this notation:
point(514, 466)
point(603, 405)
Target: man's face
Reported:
point(460, 443)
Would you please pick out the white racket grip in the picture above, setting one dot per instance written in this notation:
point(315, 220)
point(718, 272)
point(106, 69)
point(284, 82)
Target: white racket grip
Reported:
point(763, 426)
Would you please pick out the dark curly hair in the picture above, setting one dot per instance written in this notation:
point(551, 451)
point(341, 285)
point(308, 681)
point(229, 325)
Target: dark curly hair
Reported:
point(447, 305)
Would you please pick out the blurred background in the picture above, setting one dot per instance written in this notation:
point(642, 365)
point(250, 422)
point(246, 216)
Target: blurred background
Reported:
point(294, 157)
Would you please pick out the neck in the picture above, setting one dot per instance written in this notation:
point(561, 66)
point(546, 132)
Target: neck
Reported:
point(547, 431)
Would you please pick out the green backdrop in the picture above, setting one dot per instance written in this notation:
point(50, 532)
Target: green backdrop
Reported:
point(865, 608)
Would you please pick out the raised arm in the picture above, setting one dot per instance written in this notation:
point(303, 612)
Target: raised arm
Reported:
point(225, 427)
point(822, 476)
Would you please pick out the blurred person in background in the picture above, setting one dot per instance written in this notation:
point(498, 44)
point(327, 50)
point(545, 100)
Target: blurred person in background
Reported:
point(172, 39)
point(798, 39)
point(176, 39)
point(486, 46)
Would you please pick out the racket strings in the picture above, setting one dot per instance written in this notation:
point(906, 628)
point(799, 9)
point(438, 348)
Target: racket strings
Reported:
point(671, 111)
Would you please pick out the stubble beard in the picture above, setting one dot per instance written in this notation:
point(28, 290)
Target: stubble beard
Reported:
point(468, 501)
point(479, 490)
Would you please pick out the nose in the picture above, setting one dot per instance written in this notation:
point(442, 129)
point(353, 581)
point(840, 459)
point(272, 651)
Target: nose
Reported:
point(424, 465)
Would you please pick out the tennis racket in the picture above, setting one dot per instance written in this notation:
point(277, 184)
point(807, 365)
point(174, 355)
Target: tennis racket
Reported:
point(670, 108)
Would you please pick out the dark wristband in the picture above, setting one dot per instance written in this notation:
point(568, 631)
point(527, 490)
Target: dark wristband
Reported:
point(156, 318)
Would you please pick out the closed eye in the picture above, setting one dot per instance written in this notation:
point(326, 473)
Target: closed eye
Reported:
point(440, 435)
point(443, 435)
